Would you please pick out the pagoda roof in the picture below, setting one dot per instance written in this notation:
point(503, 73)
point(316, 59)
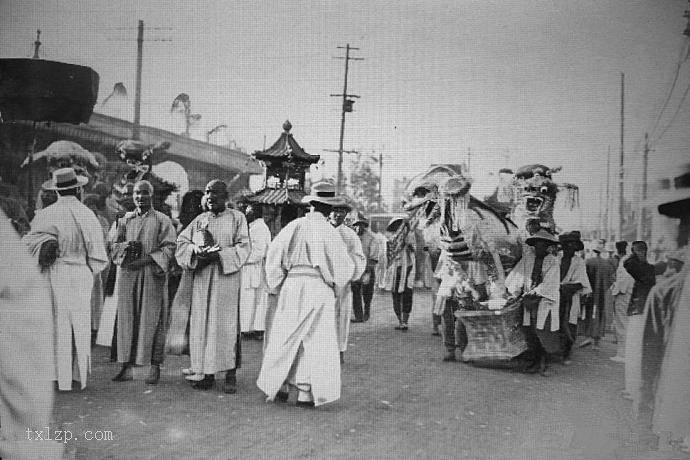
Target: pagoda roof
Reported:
point(286, 148)
point(276, 196)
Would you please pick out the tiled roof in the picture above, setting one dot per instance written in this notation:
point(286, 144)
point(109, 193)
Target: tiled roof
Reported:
point(286, 147)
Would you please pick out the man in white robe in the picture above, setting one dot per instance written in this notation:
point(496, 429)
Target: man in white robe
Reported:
point(308, 263)
point(27, 361)
point(68, 240)
point(343, 301)
point(214, 245)
point(253, 294)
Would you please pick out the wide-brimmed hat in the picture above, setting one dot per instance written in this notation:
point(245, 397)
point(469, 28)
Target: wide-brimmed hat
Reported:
point(324, 192)
point(572, 237)
point(541, 235)
point(345, 203)
point(65, 179)
point(360, 220)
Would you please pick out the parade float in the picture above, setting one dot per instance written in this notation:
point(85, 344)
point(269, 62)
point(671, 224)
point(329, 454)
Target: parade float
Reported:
point(476, 237)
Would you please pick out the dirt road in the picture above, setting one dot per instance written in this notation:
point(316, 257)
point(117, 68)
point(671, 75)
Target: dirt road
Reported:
point(399, 400)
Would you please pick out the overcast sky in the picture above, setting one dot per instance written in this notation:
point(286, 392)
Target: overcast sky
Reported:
point(515, 81)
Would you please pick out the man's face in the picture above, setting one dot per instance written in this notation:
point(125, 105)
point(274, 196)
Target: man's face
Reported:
point(360, 229)
point(250, 214)
point(142, 196)
point(215, 196)
point(569, 248)
point(338, 216)
point(541, 248)
point(640, 250)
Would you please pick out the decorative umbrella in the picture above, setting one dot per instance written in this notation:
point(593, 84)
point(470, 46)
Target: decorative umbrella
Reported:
point(64, 150)
point(38, 90)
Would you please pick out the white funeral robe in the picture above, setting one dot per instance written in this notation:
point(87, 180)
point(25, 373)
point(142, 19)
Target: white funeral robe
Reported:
point(577, 273)
point(519, 281)
point(78, 233)
point(343, 302)
point(254, 296)
point(308, 263)
point(214, 317)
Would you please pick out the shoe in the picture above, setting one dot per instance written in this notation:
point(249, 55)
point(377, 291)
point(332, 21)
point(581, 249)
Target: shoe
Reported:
point(306, 404)
point(403, 327)
point(585, 342)
point(398, 327)
point(187, 371)
point(366, 318)
point(204, 384)
point(617, 359)
point(124, 375)
point(356, 320)
point(230, 385)
point(195, 377)
point(154, 375)
point(435, 332)
point(282, 396)
point(449, 356)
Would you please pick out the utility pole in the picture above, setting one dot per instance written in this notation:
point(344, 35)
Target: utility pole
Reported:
point(380, 180)
point(607, 219)
point(137, 90)
point(469, 159)
point(140, 57)
point(346, 107)
point(641, 231)
point(621, 208)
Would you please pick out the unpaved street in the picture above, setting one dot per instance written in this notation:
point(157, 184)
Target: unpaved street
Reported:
point(399, 401)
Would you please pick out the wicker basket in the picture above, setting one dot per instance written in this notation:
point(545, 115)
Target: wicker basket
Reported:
point(493, 334)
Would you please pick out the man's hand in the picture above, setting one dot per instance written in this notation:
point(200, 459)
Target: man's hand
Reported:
point(205, 258)
point(139, 263)
point(365, 278)
point(48, 254)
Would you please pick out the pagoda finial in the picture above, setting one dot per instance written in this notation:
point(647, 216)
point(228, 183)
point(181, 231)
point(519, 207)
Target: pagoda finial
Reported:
point(287, 126)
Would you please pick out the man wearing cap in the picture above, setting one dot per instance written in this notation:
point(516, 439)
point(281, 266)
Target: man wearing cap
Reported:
point(142, 306)
point(68, 240)
point(600, 272)
point(537, 278)
point(621, 290)
point(343, 301)
point(214, 245)
point(253, 295)
point(307, 267)
point(363, 288)
point(574, 284)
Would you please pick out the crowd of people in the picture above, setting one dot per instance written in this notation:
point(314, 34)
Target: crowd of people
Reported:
point(199, 284)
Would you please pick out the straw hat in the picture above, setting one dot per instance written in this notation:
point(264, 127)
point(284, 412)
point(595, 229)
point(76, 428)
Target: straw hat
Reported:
point(324, 192)
point(65, 179)
point(360, 220)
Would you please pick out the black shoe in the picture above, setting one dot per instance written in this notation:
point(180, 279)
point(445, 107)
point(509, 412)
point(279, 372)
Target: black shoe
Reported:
point(356, 320)
point(154, 375)
point(449, 356)
point(282, 396)
point(205, 384)
point(124, 375)
point(230, 385)
point(403, 327)
point(307, 404)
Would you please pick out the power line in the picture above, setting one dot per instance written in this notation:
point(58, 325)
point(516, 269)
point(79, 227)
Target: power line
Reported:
point(681, 60)
point(675, 114)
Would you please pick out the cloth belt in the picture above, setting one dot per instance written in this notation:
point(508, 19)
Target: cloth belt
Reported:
point(304, 270)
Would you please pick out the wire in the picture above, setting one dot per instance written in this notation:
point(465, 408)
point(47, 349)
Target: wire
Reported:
point(673, 119)
point(685, 49)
